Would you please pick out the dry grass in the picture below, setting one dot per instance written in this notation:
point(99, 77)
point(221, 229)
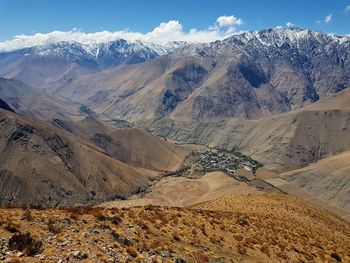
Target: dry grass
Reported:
point(245, 229)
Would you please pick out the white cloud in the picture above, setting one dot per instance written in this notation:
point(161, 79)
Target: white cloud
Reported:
point(328, 18)
point(289, 24)
point(229, 21)
point(347, 9)
point(165, 32)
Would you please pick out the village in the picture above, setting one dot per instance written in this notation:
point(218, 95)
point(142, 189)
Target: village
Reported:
point(221, 160)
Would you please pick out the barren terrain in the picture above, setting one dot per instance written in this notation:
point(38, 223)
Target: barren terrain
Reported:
point(245, 228)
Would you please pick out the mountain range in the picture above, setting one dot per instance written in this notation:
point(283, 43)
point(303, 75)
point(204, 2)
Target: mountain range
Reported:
point(250, 75)
point(65, 60)
point(278, 95)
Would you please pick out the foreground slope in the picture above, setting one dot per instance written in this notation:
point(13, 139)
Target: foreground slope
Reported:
point(179, 191)
point(42, 165)
point(247, 228)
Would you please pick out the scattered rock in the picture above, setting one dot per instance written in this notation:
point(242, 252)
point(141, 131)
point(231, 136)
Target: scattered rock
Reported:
point(165, 253)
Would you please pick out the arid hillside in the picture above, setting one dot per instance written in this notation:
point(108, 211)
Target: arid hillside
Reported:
point(5, 106)
point(250, 75)
point(328, 179)
point(35, 103)
point(132, 146)
point(285, 141)
point(248, 228)
point(178, 191)
point(43, 165)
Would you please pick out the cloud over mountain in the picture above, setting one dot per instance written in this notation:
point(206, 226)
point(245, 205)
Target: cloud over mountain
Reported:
point(229, 21)
point(165, 32)
point(328, 18)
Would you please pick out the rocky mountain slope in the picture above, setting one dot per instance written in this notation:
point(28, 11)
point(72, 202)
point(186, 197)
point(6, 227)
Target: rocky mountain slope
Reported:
point(34, 103)
point(41, 66)
point(284, 141)
point(5, 106)
point(43, 165)
point(133, 146)
point(251, 75)
point(230, 229)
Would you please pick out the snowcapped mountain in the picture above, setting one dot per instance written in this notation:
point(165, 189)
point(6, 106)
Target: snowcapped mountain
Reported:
point(250, 75)
point(267, 40)
point(40, 66)
point(294, 60)
point(103, 54)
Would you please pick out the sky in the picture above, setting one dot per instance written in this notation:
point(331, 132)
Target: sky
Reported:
point(32, 22)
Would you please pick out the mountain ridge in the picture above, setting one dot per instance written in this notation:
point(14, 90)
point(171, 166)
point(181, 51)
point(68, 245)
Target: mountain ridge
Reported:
point(240, 77)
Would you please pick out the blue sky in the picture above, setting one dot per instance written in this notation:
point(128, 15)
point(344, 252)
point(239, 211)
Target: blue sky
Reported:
point(43, 16)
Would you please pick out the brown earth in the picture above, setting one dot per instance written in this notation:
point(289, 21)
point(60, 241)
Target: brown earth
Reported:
point(132, 146)
point(246, 228)
point(35, 103)
point(327, 179)
point(43, 165)
point(285, 141)
point(181, 191)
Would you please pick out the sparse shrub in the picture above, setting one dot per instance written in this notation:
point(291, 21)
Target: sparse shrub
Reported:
point(13, 260)
point(214, 239)
point(336, 256)
point(265, 249)
point(12, 225)
point(282, 254)
point(52, 227)
point(242, 221)
point(142, 224)
point(116, 220)
point(131, 214)
point(238, 238)
point(200, 258)
point(241, 249)
point(250, 242)
point(121, 239)
point(74, 212)
point(155, 244)
point(162, 217)
point(132, 251)
point(115, 245)
point(194, 232)
point(96, 212)
point(104, 226)
point(203, 230)
point(322, 256)
point(27, 215)
point(176, 238)
point(102, 257)
point(25, 243)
